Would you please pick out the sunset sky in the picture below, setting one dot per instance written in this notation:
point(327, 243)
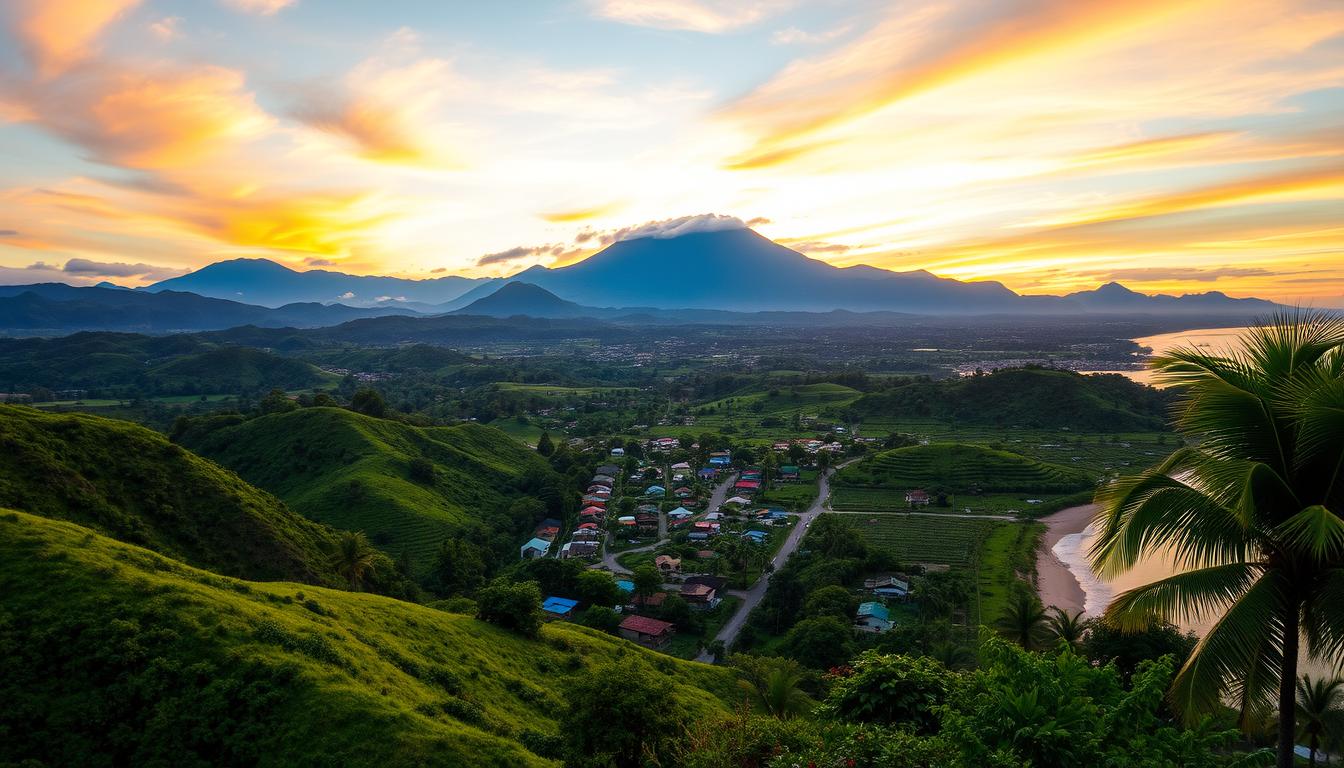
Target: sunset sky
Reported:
point(1050, 144)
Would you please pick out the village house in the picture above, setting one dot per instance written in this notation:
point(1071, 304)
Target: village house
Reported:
point(579, 549)
point(535, 548)
point(650, 633)
point(872, 617)
point(917, 498)
point(558, 608)
point(655, 490)
point(667, 564)
point(788, 473)
point(888, 586)
point(700, 596)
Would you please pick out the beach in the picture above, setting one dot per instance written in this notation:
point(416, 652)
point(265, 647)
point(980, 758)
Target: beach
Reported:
point(1056, 583)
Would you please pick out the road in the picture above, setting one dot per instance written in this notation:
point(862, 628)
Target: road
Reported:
point(752, 597)
point(609, 558)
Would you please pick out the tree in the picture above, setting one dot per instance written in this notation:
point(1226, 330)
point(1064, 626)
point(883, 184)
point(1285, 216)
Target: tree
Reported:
point(513, 606)
point(369, 402)
point(1107, 644)
point(353, 557)
point(597, 588)
point(773, 685)
point(1252, 512)
point(890, 689)
point(276, 401)
point(647, 581)
point(458, 567)
point(834, 601)
point(1024, 622)
point(422, 470)
point(544, 445)
point(1067, 628)
point(1320, 711)
point(603, 618)
point(621, 714)
point(820, 643)
point(823, 460)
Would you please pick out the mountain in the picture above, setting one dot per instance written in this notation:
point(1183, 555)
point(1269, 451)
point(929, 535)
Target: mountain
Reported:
point(131, 484)
point(356, 472)
point(517, 298)
point(264, 282)
point(116, 655)
point(60, 308)
point(1116, 298)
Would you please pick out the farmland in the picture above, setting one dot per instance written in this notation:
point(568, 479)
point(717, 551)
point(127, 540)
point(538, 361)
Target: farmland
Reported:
point(960, 468)
point(926, 539)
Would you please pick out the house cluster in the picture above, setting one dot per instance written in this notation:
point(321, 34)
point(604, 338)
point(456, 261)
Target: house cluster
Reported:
point(586, 540)
point(812, 446)
point(874, 615)
point(748, 482)
point(543, 537)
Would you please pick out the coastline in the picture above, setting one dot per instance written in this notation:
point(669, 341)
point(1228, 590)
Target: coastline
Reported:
point(1055, 583)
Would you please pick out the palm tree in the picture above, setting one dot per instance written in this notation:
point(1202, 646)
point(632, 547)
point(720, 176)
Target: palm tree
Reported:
point(353, 558)
point(1320, 711)
point(1251, 513)
point(1066, 627)
point(778, 692)
point(1024, 622)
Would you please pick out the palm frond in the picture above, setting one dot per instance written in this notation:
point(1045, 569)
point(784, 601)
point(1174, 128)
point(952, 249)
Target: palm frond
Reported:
point(1184, 597)
point(1315, 532)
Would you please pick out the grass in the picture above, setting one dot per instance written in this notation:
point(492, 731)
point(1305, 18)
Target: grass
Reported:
point(353, 472)
point(1008, 556)
point(932, 539)
point(117, 655)
point(963, 468)
point(794, 496)
point(130, 483)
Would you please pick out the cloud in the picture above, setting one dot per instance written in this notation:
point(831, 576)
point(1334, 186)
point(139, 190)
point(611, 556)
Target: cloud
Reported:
point(705, 222)
point(87, 267)
point(56, 34)
point(757, 221)
point(706, 16)
point(261, 7)
point(796, 36)
point(821, 246)
point(166, 28)
point(1161, 274)
point(9, 233)
point(438, 270)
point(319, 262)
point(581, 214)
point(347, 295)
point(553, 251)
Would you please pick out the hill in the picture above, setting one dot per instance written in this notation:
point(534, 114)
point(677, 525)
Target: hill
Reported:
point(114, 655)
point(354, 472)
point(58, 308)
point(264, 282)
point(1116, 298)
point(516, 298)
point(1039, 398)
point(120, 363)
point(962, 468)
point(130, 483)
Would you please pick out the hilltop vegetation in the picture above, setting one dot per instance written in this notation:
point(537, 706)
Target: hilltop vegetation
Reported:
point(356, 472)
point(132, 484)
point(963, 469)
point(1035, 398)
point(113, 655)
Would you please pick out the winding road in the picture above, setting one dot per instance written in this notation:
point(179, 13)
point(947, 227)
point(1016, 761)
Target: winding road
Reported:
point(608, 562)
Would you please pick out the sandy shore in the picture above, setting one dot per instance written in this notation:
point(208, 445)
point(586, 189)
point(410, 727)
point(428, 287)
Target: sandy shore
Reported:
point(1054, 580)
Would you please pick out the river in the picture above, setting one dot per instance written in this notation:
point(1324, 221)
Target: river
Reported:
point(1215, 340)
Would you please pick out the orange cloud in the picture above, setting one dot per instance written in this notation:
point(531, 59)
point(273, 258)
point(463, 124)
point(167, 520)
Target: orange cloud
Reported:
point(581, 214)
point(322, 223)
point(263, 7)
point(59, 33)
point(691, 15)
point(912, 52)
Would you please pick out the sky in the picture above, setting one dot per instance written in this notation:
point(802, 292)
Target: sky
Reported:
point(1052, 145)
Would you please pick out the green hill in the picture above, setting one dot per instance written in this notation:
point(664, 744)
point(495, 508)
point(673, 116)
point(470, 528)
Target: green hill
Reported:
point(114, 655)
point(230, 369)
point(1037, 398)
point(783, 400)
point(130, 483)
point(354, 472)
point(962, 468)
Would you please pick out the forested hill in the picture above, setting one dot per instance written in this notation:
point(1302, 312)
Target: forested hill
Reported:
point(407, 487)
point(114, 655)
point(132, 484)
point(1024, 397)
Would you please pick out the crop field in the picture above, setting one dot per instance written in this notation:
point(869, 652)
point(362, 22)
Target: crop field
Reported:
point(962, 468)
point(926, 538)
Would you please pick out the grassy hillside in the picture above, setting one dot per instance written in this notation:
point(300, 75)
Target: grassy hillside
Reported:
point(230, 369)
point(1024, 397)
point(962, 468)
point(130, 483)
point(354, 472)
point(114, 655)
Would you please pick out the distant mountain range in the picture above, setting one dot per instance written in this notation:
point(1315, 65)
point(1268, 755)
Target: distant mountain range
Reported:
point(264, 282)
point(56, 307)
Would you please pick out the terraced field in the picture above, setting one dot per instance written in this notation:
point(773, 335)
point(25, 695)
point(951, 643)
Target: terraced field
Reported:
point(962, 468)
point(951, 541)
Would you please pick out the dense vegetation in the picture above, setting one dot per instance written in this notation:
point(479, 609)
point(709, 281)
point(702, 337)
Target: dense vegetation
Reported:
point(113, 655)
point(129, 483)
point(407, 487)
point(958, 468)
point(1037, 398)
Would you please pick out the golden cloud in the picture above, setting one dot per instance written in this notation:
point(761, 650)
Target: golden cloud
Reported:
point(581, 214)
point(57, 34)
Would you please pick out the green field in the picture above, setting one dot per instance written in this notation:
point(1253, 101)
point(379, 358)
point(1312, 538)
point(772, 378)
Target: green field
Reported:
point(959, 468)
point(1008, 556)
point(932, 539)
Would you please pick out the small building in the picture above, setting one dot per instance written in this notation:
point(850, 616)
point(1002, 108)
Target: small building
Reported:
point(558, 608)
point(680, 465)
point(655, 490)
point(917, 498)
point(719, 461)
point(789, 472)
point(651, 601)
point(700, 596)
point(755, 537)
point(683, 493)
point(579, 549)
point(680, 513)
point(537, 547)
point(650, 633)
point(872, 617)
point(610, 470)
point(667, 563)
point(617, 451)
point(708, 473)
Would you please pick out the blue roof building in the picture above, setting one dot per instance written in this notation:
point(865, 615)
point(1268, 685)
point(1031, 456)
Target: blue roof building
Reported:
point(719, 461)
point(872, 617)
point(535, 548)
point(655, 490)
point(558, 607)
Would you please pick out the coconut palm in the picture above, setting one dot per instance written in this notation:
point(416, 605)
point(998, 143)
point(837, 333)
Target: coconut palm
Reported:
point(1024, 622)
point(1250, 513)
point(1320, 711)
point(777, 692)
point(1066, 627)
point(353, 557)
